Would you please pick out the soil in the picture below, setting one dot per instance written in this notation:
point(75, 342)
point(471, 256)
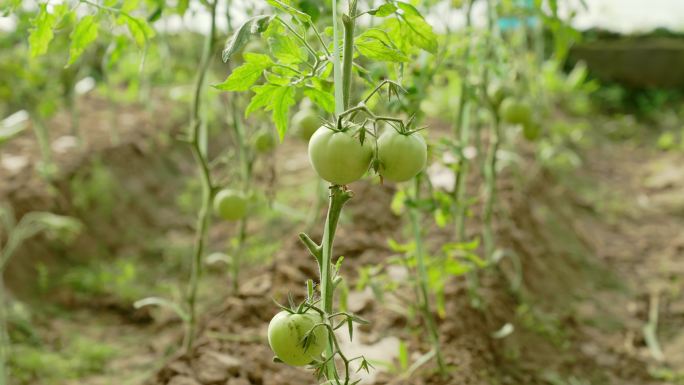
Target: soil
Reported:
point(588, 258)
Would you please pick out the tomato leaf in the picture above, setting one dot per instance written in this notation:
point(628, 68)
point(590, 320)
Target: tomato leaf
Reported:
point(283, 99)
point(286, 49)
point(83, 34)
point(323, 99)
point(284, 5)
point(262, 98)
point(41, 34)
point(182, 6)
point(139, 29)
point(421, 34)
point(239, 39)
point(383, 10)
point(376, 44)
point(247, 74)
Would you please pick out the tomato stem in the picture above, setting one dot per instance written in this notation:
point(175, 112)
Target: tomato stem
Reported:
point(206, 181)
point(338, 197)
point(462, 131)
point(424, 298)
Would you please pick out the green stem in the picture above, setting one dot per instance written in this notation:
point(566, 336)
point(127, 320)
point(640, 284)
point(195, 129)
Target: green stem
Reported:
point(347, 65)
point(246, 171)
point(462, 131)
point(205, 179)
point(490, 183)
point(47, 167)
point(338, 197)
point(424, 299)
point(4, 336)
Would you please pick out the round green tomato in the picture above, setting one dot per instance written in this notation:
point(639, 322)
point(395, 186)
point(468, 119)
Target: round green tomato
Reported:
point(264, 142)
point(497, 93)
point(339, 157)
point(305, 122)
point(531, 131)
point(286, 333)
point(230, 205)
point(514, 112)
point(401, 156)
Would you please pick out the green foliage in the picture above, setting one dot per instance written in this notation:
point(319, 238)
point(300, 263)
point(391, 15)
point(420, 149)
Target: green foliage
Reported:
point(77, 358)
point(83, 35)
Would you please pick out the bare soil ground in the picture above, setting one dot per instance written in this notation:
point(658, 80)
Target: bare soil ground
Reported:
point(590, 258)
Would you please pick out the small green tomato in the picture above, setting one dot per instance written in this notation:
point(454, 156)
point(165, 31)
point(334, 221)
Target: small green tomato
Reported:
point(338, 156)
point(230, 205)
point(514, 112)
point(305, 122)
point(264, 142)
point(401, 156)
point(286, 333)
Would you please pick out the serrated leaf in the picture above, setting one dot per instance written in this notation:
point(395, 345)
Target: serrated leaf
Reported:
point(286, 49)
point(283, 99)
point(376, 44)
point(421, 34)
point(244, 76)
point(41, 34)
point(83, 34)
point(323, 99)
point(383, 10)
point(241, 37)
point(285, 6)
point(262, 98)
point(182, 6)
point(139, 29)
point(129, 5)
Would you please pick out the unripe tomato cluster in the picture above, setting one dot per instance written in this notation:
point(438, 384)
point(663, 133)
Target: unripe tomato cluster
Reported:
point(339, 156)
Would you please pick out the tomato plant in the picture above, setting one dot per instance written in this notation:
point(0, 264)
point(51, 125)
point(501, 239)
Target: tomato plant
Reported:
point(338, 156)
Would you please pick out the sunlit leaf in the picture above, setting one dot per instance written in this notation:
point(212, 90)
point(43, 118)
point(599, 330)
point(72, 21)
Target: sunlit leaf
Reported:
point(41, 34)
point(323, 99)
point(383, 10)
point(283, 99)
point(376, 44)
point(241, 37)
point(421, 34)
point(244, 76)
point(83, 34)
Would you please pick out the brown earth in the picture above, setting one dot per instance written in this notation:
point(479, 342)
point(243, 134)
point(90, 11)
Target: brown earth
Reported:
point(587, 256)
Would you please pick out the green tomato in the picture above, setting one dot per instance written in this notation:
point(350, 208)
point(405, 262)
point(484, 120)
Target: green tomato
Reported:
point(264, 142)
point(514, 112)
point(286, 333)
point(305, 122)
point(497, 93)
point(230, 205)
point(401, 156)
point(531, 131)
point(338, 156)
